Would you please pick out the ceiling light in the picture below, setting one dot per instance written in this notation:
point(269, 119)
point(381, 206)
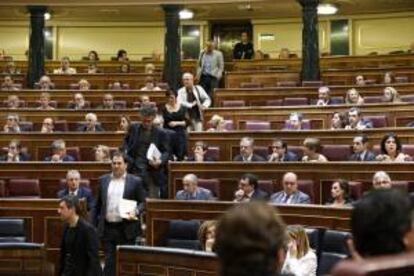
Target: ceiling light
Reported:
point(327, 9)
point(186, 14)
point(48, 16)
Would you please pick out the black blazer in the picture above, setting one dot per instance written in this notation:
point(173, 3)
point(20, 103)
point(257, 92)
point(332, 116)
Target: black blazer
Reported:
point(158, 137)
point(85, 250)
point(22, 157)
point(83, 192)
point(133, 190)
point(255, 158)
point(259, 195)
point(369, 156)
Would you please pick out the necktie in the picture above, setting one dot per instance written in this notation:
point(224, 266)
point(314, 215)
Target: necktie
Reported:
point(359, 157)
point(285, 200)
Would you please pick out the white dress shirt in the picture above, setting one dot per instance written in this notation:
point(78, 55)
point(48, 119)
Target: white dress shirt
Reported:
point(305, 266)
point(115, 194)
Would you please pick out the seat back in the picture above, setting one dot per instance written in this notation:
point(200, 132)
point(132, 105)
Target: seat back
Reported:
point(212, 184)
point(295, 101)
point(286, 84)
point(2, 188)
point(74, 152)
point(213, 153)
point(327, 262)
point(235, 103)
point(61, 125)
point(257, 125)
point(305, 125)
point(83, 183)
point(312, 83)
point(336, 152)
point(276, 102)
point(26, 126)
point(23, 188)
point(335, 242)
point(12, 230)
point(306, 186)
point(183, 234)
point(266, 186)
point(373, 99)
point(250, 85)
point(355, 189)
point(408, 98)
point(377, 121)
point(120, 104)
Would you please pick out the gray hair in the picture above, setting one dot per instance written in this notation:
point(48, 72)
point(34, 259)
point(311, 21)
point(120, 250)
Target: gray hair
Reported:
point(58, 144)
point(73, 173)
point(191, 177)
point(92, 116)
point(250, 140)
point(381, 174)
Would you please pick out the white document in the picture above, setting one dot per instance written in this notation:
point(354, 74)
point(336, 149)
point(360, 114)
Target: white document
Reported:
point(127, 208)
point(153, 152)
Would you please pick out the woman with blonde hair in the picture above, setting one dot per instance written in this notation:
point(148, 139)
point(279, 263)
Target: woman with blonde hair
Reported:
point(207, 234)
point(391, 95)
point(300, 258)
point(217, 123)
point(353, 97)
point(102, 153)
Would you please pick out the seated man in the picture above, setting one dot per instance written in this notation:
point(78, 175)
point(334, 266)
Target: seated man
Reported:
point(78, 102)
point(47, 125)
point(84, 85)
point(200, 150)
point(280, 152)
point(45, 83)
point(356, 121)
point(382, 224)
point(191, 191)
point(91, 124)
point(14, 153)
point(324, 97)
point(290, 193)
point(360, 149)
point(360, 80)
point(11, 68)
point(65, 67)
point(381, 180)
point(13, 102)
point(59, 153)
point(150, 85)
point(246, 151)
point(108, 102)
point(249, 189)
point(45, 102)
point(295, 121)
point(12, 124)
point(73, 179)
point(8, 84)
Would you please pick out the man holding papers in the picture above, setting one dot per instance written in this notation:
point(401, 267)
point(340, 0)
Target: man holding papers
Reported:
point(148, 150)
point(120, 201)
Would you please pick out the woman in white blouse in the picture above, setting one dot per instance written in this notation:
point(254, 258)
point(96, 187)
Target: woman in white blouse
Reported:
point(300, 259)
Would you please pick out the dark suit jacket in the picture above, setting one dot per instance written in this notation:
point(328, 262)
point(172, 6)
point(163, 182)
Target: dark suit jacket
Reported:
point(84, 128)
point(133, 190)
point(22, 157)
point(66, 158)
point(259, 195)
point(369, 156)
point(255, 158)
point(83, 192)
point(159, 138)
point(290, 156)
point(85, 250)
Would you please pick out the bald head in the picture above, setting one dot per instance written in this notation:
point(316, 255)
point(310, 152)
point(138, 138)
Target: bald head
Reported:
point(188, 80)
point(290, 183)
point(190, 183)
point(381, 180)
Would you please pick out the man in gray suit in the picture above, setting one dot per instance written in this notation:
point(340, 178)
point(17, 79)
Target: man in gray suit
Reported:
point(290, 193)
point(114, 227)
point(191, 191)
point(210, 67)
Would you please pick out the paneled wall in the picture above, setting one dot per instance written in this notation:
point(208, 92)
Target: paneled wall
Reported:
point(14, 40)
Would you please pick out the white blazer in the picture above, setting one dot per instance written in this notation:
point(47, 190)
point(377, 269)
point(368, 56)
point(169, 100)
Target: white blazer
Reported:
point(200, 95)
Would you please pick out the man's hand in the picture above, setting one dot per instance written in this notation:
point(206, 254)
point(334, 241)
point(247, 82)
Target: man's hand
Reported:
point(55, 158)
point(132, 216)
point(155, 163)
point(172, 124)
point(238, 195)
point(194, 103)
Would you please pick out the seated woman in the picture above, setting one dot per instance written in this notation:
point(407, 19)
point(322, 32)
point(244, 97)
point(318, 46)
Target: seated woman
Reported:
point(339, 194)
point(14, 153)
point(339, 120)
point(300, 258)
point(150, 85)
point(102, 153)
point(353, 97)
point(93, 56)
point(124, 123)
point(391, 95)
point(13, 102)
point(295, 121)
point(45, 83)
point(45, 102)
point(389, 77)
point(207, 234)
point(391, 150)
point(284, 53)
point(12, 124)
point(311, 151)
point(199, 153)
point(217, 123)
point(84, 85)
point(122, 55)
point(280, 152)
point(92, 68)
point(360, 80)
point(149, 68)
point(125, 68)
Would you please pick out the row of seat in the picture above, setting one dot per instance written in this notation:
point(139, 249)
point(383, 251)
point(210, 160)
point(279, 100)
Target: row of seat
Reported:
point(118, 104)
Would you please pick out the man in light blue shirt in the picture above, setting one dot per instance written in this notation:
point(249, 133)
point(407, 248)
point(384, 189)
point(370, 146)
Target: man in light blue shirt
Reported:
point(191, 191)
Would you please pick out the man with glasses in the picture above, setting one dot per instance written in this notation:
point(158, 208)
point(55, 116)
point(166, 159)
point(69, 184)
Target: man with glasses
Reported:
point(47, 125)
point(108, 102)
point(12, 124)
point(91, 124)
point(73, 188)
point(14, 153)
point(246, 151)
point(280, 152)
point(290, 193)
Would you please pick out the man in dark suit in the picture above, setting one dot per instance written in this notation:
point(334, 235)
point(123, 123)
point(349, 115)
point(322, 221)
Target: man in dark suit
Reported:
point(249, 190)
point(114, 226)
point(14, 153)
point(59, 152)
point(91, 124)
point(290, 193)
point(244, 49)
point(280, 152)
point(73, 179)
point(79, 249)
point(356, 120)
point(246, 151)
point(136, 144)
point(360, 148)
point(191, 191)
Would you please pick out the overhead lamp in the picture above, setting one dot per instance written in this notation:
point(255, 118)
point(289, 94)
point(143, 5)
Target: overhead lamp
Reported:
point(186, 14)
point(327, 9)
point(47, 16)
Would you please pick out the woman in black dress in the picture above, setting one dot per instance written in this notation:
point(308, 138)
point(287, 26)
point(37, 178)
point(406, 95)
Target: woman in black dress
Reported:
point(175, 116)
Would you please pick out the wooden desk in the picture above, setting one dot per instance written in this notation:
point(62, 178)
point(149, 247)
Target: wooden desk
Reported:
point(95, 97)
point(228, 142)
point(398, 115)
point(322, 174)
point(49, 174)
point(159, 212)
point(259, 96)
